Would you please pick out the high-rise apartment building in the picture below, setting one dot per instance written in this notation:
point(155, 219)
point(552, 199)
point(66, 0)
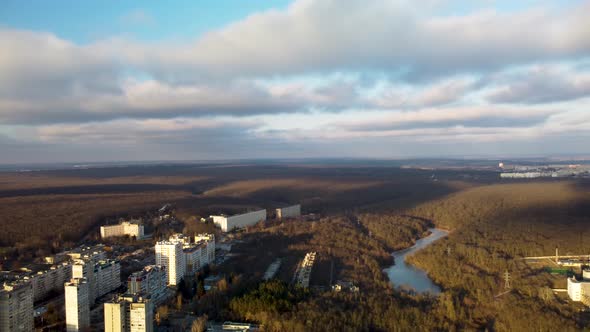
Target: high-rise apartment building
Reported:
point(129, 313)
point(170, 255)
point(77, 298)
point(114, 317)
point(183, 257)
point(16, 306)
point(107, 275)
point(209, 241)
point(84, 269)
point(150, 281)
point(103, 276)
point(89, 253)
point(50, 280)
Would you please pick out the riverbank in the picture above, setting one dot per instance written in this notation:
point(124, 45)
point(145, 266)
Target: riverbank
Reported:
point(402, 274)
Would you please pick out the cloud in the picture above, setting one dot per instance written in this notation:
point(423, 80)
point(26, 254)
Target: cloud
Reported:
point(155, 99)
point(473, 116)
point(440, 93)
point(38, 65)
point(542, 84)
point(319, 72)
point(139, 131)
point(396, 36)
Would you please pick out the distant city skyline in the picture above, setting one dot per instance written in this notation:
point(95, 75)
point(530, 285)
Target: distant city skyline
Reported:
point(100, 81)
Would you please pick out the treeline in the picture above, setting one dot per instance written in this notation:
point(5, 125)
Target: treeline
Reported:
point(491, 227)
point(359, 257)
point(395, 231)
point(40, 225)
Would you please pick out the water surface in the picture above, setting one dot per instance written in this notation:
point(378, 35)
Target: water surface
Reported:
point(404, 274)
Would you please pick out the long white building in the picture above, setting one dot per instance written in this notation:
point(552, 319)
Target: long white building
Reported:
point(292, 211)
point(50, 280)
point(240, 220)
point(125, 228)
point(129, 313)
point(16, 307)
point(91, 253)
point(77, 298)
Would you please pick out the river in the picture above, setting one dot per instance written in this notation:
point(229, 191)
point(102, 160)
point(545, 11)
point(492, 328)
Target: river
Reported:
point(403, 274)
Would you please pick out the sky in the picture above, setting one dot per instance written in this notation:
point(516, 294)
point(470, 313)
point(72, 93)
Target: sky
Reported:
point(234, 79)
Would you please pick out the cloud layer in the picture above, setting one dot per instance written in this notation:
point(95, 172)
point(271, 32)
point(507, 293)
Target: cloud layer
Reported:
point(308, 80)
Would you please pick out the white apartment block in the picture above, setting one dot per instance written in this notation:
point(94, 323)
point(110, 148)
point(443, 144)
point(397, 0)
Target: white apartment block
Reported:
point(209, 241)
point(129, 313)
point(192, 259)
point(108, 276)
point(50, 280)
point(16, 307)
point(94, 253)
point(114, 317)
point(82, 269)
point(170, 255)
point(180, 238)
point(289, 212)
point(239, 221)
point(149, 281)
point(125, 228)
point(77, 305)
point(141, 316)
point(579, 290)
point(183, 258)
point(103, 276)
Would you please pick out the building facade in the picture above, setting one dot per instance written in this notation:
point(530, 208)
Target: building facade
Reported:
point(114, 317)
point(181, 257)
point(192, 259)
point(16, 306)
point(289, 212)
point(197, 254)
point(107, 275)
point(209, 241)
point(125, 228)
point(92, 253)
point(129, 313)
point(151, 281)
point(77, 298)
point(579, 290)
point(102, 277)
point(170, 255)
point(50, 280)
point(239, 221)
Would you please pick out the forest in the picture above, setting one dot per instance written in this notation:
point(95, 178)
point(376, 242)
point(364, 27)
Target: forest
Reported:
point(492, 228)
point(365, 214)
point(49, 211)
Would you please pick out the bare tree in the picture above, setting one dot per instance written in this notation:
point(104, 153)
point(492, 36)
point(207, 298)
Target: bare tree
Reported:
point(199, 324)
